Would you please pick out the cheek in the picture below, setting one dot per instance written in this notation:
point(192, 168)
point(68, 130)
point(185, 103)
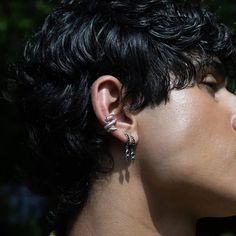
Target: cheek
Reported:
point(187, 150)
point(185, 136)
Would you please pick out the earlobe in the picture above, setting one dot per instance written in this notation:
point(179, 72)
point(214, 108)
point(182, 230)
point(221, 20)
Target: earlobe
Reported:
point(106, 96)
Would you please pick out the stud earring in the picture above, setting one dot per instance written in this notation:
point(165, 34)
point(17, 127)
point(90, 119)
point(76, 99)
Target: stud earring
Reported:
point(129, 147)
point(110, 122)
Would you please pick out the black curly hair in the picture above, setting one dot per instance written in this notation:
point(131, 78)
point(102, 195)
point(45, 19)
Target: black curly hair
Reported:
point(142, 43)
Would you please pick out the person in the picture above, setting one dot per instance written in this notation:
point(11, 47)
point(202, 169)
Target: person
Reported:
point(131, 116)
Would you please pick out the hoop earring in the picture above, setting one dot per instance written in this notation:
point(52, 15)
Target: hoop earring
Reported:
point(110, 122)
point(129, 147)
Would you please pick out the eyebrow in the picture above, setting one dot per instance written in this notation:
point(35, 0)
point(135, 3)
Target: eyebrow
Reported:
point(214, 66)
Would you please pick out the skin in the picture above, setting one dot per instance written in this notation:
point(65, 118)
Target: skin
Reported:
point(185, 165)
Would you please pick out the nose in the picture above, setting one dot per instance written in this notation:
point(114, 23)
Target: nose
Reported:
point(232, 106)
point(233, 122)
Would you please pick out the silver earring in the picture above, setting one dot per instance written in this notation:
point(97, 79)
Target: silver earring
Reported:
point(129, 148)
point(110, 121)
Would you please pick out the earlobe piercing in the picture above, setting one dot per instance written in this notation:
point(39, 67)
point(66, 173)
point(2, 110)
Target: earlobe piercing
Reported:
point(110, 122)
point(129, 147)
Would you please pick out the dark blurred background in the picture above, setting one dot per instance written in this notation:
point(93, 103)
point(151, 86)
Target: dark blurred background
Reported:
point(21, 212)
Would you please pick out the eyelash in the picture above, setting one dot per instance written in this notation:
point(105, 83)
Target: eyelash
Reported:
point(212, 86)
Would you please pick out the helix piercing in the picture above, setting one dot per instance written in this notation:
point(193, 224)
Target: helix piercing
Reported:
point(110, 122)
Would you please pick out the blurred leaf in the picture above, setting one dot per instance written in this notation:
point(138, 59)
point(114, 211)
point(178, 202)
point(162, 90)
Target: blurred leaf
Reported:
point(3, 26)
point(25, 24)
point(228, 234)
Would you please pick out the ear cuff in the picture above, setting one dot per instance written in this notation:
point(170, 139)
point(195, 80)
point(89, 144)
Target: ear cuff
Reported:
point(130, 145)
point(110, 122)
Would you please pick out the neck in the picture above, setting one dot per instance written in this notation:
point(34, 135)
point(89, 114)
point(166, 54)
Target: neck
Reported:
point(119, 205)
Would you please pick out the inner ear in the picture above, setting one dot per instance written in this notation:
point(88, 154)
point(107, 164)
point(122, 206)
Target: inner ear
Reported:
point(106, 93)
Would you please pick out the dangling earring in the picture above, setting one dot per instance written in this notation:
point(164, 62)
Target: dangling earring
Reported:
point(110, 122)
point(129, 147)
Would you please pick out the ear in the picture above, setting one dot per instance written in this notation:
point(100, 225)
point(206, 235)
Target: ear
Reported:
point(106, 96)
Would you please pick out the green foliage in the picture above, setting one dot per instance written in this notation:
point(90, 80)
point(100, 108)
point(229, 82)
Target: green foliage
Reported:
point(228, 234)
point(226, 10)
point(17, 19)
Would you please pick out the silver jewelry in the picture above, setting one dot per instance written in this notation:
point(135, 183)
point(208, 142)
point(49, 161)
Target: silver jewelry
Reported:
point(129, 148)
point(110, 122)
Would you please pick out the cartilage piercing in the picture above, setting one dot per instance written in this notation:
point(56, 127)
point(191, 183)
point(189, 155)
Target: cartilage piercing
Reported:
point(110, 122)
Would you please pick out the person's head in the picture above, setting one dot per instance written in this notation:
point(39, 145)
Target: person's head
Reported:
point(160, 67)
